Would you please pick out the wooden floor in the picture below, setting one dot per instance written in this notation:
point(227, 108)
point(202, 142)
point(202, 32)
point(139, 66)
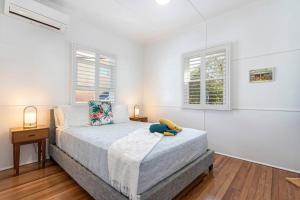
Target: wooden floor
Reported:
point(231, 179)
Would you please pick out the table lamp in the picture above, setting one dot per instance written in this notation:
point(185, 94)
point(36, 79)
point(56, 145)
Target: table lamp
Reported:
point(136, 111)
point(30, 117)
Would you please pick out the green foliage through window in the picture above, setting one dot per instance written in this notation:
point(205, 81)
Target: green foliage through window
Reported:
point(208, 88)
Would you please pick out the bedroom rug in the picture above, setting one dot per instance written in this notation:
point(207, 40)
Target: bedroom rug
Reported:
point(294, 181)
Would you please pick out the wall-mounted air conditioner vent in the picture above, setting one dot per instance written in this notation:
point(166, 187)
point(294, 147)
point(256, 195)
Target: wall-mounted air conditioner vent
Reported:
point(37, 13)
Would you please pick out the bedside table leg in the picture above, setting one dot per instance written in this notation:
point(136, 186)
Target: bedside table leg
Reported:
point(39, 151)
point(44, 152)
point(14, 155)
point(17, 159)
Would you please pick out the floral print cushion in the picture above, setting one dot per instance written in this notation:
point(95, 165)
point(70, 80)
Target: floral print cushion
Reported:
point(100, 113)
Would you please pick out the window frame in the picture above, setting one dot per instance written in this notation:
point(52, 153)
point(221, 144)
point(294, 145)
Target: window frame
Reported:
point(202, 53)
point(74, 48)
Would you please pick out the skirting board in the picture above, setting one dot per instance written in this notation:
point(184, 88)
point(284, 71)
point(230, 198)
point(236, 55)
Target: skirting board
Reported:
point(261, 163)
point(23, 163)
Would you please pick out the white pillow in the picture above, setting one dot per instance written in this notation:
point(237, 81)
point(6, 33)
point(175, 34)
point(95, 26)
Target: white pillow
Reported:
point(58, 117)
point(120, 113)
point(67, 115)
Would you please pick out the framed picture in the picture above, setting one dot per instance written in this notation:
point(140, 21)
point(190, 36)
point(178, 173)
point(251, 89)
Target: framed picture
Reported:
point(261, 75)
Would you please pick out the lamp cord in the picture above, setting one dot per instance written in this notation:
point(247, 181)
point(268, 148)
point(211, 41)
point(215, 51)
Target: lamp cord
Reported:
point(34, 146)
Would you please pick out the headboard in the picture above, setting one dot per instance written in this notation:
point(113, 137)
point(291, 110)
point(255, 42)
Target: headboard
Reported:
point(52, 126)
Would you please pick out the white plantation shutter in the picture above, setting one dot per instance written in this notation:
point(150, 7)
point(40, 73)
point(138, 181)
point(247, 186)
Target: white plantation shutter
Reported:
point(215, 77)
point(84, 80)
point(93, 76)
point(192, 80)
point(107, 80)
point(207, 79)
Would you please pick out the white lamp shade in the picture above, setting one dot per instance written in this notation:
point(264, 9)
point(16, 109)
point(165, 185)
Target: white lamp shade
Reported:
point(136, 111)
point(30, 117)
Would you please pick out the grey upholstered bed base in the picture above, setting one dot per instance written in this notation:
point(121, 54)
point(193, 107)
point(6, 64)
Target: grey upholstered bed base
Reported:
point(100, 190)
point(164, 190)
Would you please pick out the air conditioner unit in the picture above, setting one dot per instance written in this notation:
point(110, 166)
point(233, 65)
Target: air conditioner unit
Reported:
point(37, 13)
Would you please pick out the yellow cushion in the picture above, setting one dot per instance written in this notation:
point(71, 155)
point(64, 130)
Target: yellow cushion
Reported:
point(168, 134)
point(170, 124)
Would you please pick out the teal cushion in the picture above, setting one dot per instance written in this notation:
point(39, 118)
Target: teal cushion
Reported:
point(161, 128)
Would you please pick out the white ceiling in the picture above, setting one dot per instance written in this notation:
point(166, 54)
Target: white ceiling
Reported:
point(145, 19)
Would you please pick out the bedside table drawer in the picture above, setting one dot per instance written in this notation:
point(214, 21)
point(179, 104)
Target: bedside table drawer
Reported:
point(30, 135)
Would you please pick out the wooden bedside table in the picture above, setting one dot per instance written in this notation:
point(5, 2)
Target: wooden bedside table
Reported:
point(20, 136)
point(140, 119)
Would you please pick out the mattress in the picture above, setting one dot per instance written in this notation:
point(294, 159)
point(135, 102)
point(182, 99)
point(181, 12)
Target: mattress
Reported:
point(89, 146)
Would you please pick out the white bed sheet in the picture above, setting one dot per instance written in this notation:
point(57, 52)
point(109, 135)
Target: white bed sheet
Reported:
point(89, 145)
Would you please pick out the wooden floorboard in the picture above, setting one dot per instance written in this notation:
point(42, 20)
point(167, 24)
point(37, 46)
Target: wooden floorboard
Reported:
point(231, 178)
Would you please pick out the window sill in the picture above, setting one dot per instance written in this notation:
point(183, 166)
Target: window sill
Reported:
point(207, 107)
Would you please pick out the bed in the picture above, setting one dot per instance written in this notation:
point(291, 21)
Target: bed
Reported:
point(172, 165)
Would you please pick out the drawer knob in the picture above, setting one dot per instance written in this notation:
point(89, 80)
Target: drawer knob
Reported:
point(32, 135)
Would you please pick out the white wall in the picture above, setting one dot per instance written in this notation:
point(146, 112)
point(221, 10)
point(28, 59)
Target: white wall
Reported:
point(35, 69)
point(264, 124)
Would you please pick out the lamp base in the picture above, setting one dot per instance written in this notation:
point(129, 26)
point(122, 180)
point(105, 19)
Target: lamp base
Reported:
point(29, 126)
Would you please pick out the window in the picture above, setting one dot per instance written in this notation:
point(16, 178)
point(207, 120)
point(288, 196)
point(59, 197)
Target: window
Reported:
point(207, 79)
point(93, 76)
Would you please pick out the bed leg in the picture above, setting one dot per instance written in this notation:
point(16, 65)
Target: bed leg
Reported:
point(211, 167)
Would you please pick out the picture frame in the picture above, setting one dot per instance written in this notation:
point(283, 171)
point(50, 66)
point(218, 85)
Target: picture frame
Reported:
point(262, 75)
